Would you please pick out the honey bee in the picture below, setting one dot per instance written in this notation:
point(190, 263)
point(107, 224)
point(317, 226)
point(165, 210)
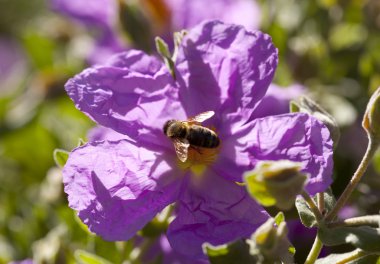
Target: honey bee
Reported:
point(191, 134)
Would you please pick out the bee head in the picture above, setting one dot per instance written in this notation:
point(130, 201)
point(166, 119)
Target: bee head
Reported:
point(167, 125)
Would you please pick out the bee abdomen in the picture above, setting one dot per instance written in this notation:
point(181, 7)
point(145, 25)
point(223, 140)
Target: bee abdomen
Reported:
point(202, 137)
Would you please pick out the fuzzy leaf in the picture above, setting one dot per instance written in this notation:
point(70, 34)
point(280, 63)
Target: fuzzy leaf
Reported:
point(339, 258)
point(306, 215)
point(329, 199)
point(363, 237)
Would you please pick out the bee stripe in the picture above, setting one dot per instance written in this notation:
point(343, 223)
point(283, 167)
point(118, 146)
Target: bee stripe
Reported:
point(202, 137)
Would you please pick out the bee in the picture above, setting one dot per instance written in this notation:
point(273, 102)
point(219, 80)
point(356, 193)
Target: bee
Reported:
point(191, 134)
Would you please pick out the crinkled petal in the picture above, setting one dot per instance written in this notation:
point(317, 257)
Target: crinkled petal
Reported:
point(137, 61)
point(135, 103)
point(226, 69)
point(297, 137)
point(186, 14)
point(215, 210)
point(118, 187)
point(232, 162)
point(100, 133)
point(276, 100)
point(98, 13)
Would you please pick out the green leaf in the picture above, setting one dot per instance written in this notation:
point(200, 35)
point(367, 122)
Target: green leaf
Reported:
point(294, 107)
point(306, 215)
point(347, 35)
point(84, 257)
point(236, 252)
point(154, 228)
point(60, 157)
point(40, 49)
point(335, 258)
point(329, 199)
point(136, 24)
point(363, 237)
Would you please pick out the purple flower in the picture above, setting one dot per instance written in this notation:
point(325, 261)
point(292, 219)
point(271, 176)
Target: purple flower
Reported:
point(25, 261)
point(186, 14)
point(181, 14)
point(280, 97)
point(12, 65)
point(100, 15)
point(119, 185)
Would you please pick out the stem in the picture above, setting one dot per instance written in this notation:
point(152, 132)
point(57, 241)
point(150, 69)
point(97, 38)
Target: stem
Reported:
point(313, 207)
point(369, 220)
point(314, 251)
point(321, 202)
point(371, 149)
point(357, 254)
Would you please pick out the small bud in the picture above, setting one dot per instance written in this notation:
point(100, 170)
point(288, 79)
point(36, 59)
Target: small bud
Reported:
point(275, 183)
point(371, 119)
point(178, 37)
point(270, 243)
point(163, 49)
point(306, 105)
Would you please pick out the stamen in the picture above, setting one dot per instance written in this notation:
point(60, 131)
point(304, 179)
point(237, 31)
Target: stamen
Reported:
point(198, 159)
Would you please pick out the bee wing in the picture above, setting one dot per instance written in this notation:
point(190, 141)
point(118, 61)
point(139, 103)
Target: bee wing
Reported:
point(181, 148)
point(201, 117)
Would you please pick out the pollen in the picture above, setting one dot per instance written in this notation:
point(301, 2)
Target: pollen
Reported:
point(198, 159)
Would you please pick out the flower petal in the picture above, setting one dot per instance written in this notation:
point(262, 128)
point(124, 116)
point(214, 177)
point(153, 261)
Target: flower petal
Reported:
point(118, 187)
point(226, 69)
point(100, 133)
point(216, 211)
point(296, 137)
point(92, 13)
point(106, 44)
point(276, 100)
point(125, 95)
point(186, 14)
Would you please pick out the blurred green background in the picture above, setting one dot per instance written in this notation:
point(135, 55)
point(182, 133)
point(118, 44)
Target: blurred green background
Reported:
point(332, 47)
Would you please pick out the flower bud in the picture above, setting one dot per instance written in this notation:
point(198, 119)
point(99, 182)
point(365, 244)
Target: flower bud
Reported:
point(306, 105)
point(371, 119)
point(275, 183)
point(270, 243)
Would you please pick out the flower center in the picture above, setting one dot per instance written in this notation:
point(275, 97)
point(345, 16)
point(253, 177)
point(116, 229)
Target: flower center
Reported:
point(198, 159)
